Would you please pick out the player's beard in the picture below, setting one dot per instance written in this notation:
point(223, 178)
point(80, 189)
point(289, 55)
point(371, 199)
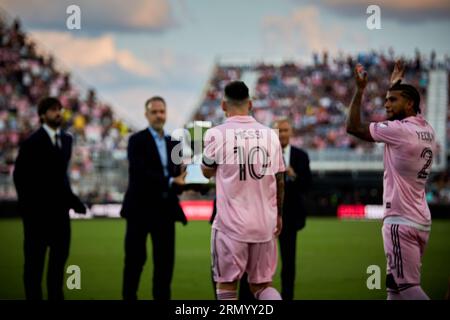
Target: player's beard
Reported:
point(398, 116)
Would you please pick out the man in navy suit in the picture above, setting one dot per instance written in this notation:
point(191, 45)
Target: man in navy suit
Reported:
point(151, 204)
point(298, 182)
point(45, 198)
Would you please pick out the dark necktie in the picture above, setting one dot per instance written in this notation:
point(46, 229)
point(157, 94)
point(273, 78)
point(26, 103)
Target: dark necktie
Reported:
point(58, 141)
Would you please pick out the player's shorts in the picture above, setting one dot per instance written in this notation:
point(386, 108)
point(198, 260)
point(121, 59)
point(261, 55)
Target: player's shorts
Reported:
point(231, 258)
point(404, 247)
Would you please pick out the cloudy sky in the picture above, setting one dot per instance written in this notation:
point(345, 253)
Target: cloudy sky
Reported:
point(131, 50)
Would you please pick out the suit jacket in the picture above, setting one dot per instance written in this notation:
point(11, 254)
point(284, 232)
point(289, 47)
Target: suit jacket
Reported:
point(40, 176)
point(148, 195)
point(294, 211)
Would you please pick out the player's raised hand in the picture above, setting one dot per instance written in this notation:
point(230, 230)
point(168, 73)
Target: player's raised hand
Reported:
point(398, 72)
point(360, 76)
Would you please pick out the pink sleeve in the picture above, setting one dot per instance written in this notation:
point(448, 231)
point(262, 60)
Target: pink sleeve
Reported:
point(390, 132)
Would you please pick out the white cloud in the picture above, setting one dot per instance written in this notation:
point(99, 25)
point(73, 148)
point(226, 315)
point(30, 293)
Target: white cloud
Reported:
point(89, 52)
point(129, 103)
point(96, 16)
point(129, 62)
point(125, 79)
point(300, 32)
point(397, 4)
point(407, 11)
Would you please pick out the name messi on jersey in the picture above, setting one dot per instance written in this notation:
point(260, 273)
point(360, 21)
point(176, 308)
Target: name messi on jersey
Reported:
point(247, 134)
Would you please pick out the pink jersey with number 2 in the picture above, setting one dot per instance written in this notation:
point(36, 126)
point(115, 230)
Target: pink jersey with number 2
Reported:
point(408, 155)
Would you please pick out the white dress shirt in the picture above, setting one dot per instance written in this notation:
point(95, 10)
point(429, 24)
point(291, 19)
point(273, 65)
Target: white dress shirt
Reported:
point(52, 134)
point(287, 155)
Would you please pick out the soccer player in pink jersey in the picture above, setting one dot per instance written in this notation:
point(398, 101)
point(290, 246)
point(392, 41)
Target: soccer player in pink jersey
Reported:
point(247, 161)
point(408, 154)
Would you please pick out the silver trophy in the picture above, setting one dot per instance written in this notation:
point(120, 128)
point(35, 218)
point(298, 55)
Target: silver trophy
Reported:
point(193, 152)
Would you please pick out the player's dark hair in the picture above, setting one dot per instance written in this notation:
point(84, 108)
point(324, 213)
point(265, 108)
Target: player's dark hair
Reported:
point(236, 92)
point(409, 92)
point(46, 104)
point(155, 98)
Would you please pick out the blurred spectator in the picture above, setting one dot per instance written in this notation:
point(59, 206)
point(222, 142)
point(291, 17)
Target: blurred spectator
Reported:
point(315, 96)
point(26, 77)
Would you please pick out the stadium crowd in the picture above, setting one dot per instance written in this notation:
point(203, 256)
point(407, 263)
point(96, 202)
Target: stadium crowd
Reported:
point(315, 98)
point(25, 77)
point(313, 95)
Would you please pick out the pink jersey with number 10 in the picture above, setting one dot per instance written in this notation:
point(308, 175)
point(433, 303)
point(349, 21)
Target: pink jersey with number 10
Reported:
point(247, 155)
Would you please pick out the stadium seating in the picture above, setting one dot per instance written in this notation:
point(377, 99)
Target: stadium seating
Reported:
point(314, 96)
point(100, 138)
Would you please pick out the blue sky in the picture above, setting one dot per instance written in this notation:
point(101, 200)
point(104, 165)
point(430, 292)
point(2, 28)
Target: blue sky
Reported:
point(131, 50)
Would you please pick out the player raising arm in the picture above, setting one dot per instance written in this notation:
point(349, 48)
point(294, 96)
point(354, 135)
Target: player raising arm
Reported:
point(408, 154)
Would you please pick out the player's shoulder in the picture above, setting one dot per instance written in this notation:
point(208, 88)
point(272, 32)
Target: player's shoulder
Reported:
point(215, 134)
point(219, 127)
point(259, 125)
point(216, 130)
point(390, 125)
point(416, 124)
point(428, 126)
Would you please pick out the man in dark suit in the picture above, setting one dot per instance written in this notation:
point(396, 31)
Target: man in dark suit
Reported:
point(45, 198)
point(151, 203)
point(298, 181)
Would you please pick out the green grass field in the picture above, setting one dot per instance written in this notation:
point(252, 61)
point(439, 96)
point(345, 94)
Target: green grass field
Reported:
point(332, 260)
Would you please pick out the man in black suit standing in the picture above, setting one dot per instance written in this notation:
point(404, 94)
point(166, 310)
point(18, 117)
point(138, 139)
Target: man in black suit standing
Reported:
point(298, 181)
point(45, 198)
point(151, 203)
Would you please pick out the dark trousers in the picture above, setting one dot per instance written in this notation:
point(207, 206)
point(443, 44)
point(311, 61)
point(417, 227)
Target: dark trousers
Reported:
point(288, 241)
point(40, 235)
point(163, 240)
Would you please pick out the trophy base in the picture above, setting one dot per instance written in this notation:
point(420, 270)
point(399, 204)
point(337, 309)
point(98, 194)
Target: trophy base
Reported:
point(195, 176)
